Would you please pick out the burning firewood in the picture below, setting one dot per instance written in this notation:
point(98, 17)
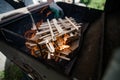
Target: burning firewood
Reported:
point(54, 39)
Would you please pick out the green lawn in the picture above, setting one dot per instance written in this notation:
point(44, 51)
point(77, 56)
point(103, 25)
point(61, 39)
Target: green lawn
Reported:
point(97, 4)
point(11, 73)
point(1, 75)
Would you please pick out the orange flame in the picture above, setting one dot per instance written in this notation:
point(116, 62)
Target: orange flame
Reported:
point(62, 42)
point(65, 38)
point(30, 33)
point(35, 51)
point(39, 23)
point(48, 13)
point(43, 9)
point(63, 47)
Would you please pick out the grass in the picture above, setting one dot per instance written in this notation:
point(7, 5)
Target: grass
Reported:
point(1, 75)
point(11, 73)
point(96, 4)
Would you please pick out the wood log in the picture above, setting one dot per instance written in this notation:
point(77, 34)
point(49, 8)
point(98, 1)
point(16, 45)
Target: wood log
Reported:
point(60, 30)
point(63, 57)
point(45, 24)
point(71, 23)
point(63, 23)
point(51, 31)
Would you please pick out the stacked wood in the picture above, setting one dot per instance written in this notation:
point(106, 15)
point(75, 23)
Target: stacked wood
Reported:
point(54, 39)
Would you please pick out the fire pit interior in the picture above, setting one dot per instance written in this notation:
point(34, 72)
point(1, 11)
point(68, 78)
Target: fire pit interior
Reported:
point(54, 39)
point(51, 41)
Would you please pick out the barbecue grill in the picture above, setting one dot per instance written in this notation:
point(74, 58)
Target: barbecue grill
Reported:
point(41, 45)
